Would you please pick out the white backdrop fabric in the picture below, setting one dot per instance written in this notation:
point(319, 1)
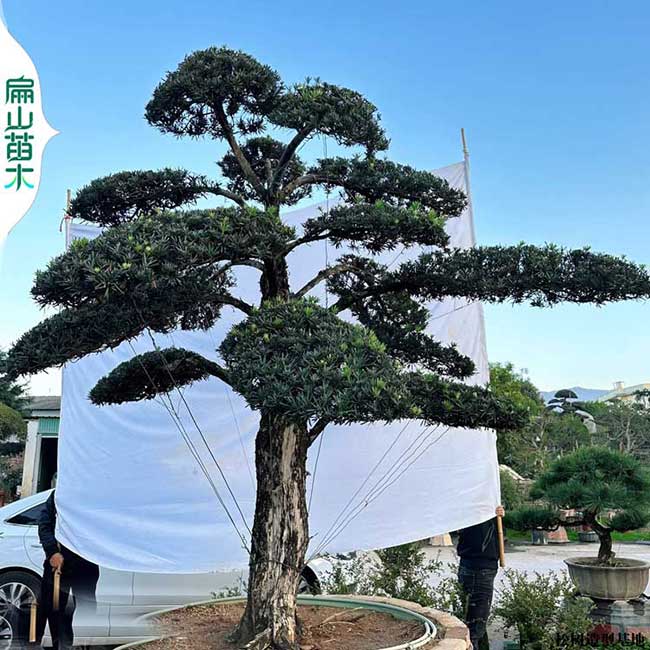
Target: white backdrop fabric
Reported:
point(131, 496)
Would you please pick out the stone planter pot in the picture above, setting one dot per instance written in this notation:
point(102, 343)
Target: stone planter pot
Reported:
point(539, 537)
point(587, 536)
point(558, 536)
point(441, 628)
point(623, 582)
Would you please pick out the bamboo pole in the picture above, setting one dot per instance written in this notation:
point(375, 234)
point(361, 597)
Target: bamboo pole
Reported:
point(32, 621)
point(502, 548)
point(57, 590)
point(68, 218)
point(468, 189)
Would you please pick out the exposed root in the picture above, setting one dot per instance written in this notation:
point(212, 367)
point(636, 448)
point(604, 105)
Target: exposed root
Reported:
point(264, 641)
point(343, 613)
point(261, 642)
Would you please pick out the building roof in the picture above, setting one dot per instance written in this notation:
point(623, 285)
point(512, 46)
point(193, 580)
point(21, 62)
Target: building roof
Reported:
point(623, 391)
point(41, 403)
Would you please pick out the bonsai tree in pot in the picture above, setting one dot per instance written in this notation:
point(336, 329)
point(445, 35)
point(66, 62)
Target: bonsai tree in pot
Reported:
point(363, 357)
point(595, 482)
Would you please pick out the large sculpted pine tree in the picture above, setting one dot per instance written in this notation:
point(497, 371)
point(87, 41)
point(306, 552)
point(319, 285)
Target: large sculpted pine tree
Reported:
point(294, 360)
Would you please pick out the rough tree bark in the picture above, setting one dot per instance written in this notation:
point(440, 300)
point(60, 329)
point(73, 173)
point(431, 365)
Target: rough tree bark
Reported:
point(280, 537)
point(605, 552)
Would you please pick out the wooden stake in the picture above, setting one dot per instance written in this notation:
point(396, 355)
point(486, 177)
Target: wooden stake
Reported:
point(468, 189)
point(502, 549)
point(32, 621)
point(462, 137)
point(57, 590)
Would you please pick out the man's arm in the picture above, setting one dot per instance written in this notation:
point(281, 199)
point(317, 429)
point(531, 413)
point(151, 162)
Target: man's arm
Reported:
point(46, 526)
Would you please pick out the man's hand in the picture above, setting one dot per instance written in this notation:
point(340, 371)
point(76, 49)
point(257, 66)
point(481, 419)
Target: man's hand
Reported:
point(56, 561)
point(500, 511)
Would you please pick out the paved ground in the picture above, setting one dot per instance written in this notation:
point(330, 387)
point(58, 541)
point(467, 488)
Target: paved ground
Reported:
point(529, 558)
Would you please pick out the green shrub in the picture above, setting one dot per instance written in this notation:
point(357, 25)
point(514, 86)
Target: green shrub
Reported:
point(401, 572)
point(543, 609)
point(512, 495)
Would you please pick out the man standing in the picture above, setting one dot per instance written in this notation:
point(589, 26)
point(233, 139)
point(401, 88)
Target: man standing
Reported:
point(78, 576)
point(478, 550)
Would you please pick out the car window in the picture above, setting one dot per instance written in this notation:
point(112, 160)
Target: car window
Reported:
point(28, 517)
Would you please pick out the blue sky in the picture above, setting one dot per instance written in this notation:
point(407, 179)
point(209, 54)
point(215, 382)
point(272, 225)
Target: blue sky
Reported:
point(553, 97)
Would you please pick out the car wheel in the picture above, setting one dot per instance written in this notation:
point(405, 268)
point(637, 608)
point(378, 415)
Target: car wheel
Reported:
point(18, 589)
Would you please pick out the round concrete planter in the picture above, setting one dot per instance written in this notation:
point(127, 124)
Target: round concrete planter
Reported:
point(445, 630)
point(441, 628)
point(609, 582)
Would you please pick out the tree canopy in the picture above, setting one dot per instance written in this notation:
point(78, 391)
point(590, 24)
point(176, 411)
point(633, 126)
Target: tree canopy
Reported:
point(12, 402)
point(12, 393)
point(11, 423)
point(624, 426)
point(545, 435)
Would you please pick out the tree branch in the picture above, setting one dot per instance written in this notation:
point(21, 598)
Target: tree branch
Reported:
point(217, 190)
point(288, 154)
point(256, 264)
point(303, 240)
point(307, 179)
point(323, 275)
point(239, 154)
point(218, 371)
point(316, 430)
point(243, 306)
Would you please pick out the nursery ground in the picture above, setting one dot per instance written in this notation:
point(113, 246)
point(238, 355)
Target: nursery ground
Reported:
point(526, 557)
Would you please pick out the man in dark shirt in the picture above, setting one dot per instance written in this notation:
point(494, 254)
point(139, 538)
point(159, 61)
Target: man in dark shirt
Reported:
point(78, 576)
point(478, 550)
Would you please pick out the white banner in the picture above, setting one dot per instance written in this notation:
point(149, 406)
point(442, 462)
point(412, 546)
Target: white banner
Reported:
point(132, 496)
point(25, 132)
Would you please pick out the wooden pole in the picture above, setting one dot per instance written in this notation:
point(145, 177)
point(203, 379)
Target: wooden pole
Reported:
point(57, 590)
point(32, 621)
point(68, 218)
point(468, 189)
point(502, 548)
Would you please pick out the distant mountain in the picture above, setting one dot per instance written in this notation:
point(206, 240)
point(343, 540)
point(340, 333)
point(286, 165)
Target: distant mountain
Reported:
point(584, 394)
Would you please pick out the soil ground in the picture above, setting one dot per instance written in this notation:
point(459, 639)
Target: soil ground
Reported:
point(324, 628)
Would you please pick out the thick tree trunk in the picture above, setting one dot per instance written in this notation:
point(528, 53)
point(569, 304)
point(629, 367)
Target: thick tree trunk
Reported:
point(605, 552)
point(280, 537)
point(274, 282)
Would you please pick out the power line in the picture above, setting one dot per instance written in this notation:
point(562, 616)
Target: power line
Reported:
point(405, 456)
point(371, 498)
point(198, 428)
point(234, 417)
point(345, 520)
point(313, 476)
point(192, 447)
point(365, 481)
